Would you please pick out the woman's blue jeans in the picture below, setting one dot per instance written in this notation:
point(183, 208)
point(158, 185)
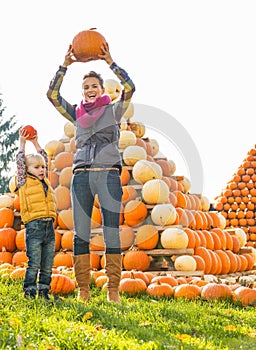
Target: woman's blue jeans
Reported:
point(40, 249)
point(84, 186)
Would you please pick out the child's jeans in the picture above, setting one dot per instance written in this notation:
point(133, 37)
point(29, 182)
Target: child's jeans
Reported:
point(40, 249)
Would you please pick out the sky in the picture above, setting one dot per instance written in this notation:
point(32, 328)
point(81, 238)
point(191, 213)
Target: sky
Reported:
point(193, 63)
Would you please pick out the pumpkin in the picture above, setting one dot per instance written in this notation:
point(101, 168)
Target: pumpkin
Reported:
point(6, 217)
point(63, 258)
point(61, 284)
point(159, 290)
point(225, 261)
point(163, 214)
point(125, 176)
point(137, 274)
point(18, 273)
point(185, 263)
point(144, 170)
point(135, 212)
point(187, 291)
point(20, 259)
point(5, 257)
point(65, 219)
point(166, 167)
point(67, 240)
point(63, 160)
point(215, 291)
point(87, 45)
point(20, 239)
point(132, 285)
point(129, 193)
point(112, 88)
point(186, 184)
point(63, 198)
point(127, 138)
point(240, 234)
point(244, 295)
point(65, 176)
point(6, 201)
point(97, 243)
point(133, 154)
point(173, 237)
point(127, 236)
point(30, 131)
point(137, 128)
point(53, 177)
point(155, 146)
point(7, 239)
point(147, 237)
point(204, 253)
point(54, 147)
point(136, 259)
point(95, 261)
point(205, 203)
point(155, 191)
point(58, 237)
point(69, 129)
point(200, 263)
point(163, 278)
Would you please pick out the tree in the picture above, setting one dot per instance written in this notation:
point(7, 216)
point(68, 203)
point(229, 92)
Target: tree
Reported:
point(9, 134)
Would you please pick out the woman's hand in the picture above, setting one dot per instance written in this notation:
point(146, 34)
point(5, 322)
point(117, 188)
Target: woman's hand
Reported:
point(69, 57)
point(106, 54)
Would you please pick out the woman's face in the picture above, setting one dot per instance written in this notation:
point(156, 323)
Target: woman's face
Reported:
point(91, 89)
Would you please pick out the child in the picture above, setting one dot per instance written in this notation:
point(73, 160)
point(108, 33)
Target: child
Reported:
point(38, 212)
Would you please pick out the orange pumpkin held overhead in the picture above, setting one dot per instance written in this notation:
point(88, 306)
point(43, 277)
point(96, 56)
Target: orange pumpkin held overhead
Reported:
point(87, 45)
point(31, 131)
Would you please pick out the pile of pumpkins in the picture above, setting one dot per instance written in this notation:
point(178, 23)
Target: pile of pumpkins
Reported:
point(237, 201)
point(158, 211)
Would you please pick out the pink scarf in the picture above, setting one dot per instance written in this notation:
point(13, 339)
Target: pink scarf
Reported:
point(89, 112)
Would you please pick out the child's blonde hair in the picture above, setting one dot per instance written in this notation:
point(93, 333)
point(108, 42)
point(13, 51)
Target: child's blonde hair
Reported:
point(35, 159)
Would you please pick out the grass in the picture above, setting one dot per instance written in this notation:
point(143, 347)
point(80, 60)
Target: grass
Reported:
point(138, 322)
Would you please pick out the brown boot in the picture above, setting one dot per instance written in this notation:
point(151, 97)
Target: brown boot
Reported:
point(82, 268)
point(113, 270)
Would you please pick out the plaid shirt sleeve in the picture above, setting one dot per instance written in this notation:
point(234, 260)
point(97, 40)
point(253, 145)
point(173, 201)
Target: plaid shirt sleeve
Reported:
point(44, 154)
point(63, 107)
point(129, 88)
point(21, 168)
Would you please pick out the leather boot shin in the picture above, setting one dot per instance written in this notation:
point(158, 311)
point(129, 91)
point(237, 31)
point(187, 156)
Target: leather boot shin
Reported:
point(82, 269)
point(113, 270)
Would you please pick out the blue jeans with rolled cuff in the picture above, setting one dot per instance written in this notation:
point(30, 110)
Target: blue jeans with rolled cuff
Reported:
point(84, 186)
point(40, 250)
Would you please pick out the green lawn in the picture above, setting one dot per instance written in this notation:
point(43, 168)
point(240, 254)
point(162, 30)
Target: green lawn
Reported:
point(139, 322)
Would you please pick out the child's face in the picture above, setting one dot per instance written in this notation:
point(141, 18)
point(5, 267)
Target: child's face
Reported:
point(38, 170)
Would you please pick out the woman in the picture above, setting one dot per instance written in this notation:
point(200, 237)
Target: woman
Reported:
point(96, 168)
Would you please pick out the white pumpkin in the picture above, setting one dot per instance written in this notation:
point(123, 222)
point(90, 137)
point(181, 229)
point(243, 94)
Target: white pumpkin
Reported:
point(186, 184)
point(163, 214)
point(172, 166)
point(174, 238)
point(205, 203)
point(127, 138)
point(113, 88)
point(155, 191)
point(54, 147)
point(185, 263)
point(6, 201)
point(223, 221)
point(132, 154)
point(155, 147)
point(69, 129)
point(144, 170)
point(241, 235)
